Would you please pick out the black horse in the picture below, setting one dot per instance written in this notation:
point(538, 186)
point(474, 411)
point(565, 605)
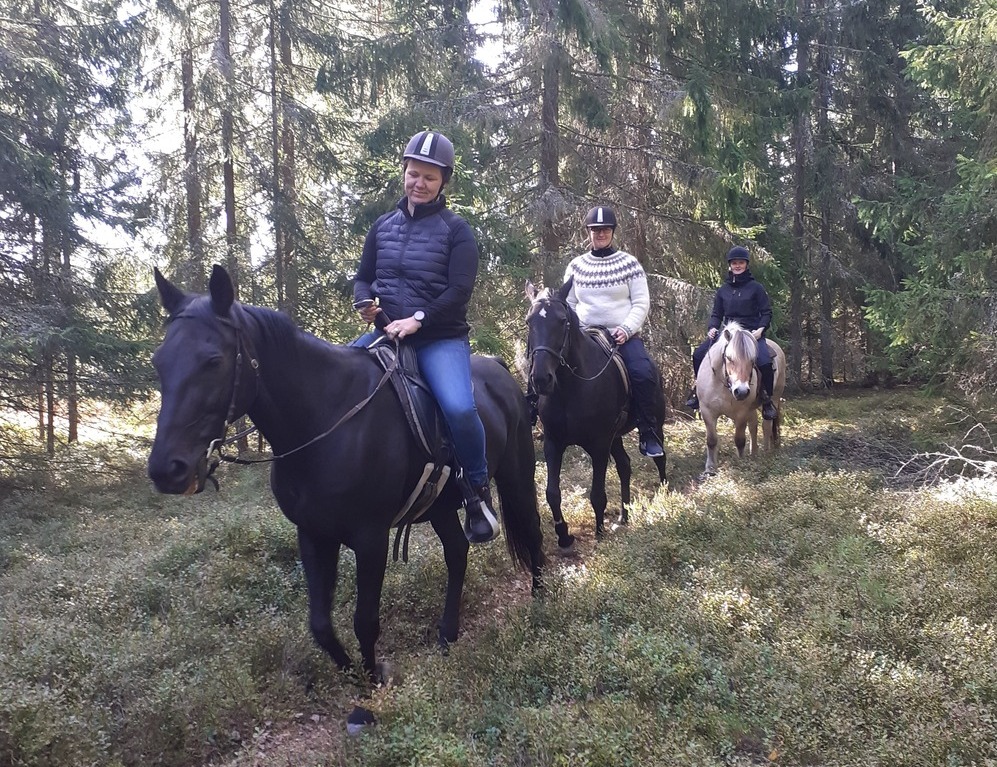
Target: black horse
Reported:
point(341, 486)
point(583, 400)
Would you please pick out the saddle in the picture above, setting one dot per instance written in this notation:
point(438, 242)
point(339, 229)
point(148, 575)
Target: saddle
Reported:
point(426, 424)
point(608, 344)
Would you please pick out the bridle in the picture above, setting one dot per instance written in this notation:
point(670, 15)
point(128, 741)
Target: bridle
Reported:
point(561, 353)
point(727, 373)
point(208, 462)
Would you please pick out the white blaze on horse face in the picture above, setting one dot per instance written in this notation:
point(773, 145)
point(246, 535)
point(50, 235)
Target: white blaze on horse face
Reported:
point(543, 313)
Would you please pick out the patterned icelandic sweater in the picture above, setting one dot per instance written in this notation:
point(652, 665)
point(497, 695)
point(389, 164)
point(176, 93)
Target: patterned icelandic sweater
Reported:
point(610, 289)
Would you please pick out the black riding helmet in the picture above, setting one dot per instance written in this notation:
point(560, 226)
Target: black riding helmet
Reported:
point(432, 147)
point(737, 253)
point(600, 216)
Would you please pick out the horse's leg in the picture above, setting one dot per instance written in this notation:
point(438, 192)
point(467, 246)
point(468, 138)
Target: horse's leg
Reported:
point(740, 438)
point(553, 456)
point(660, 464)
point(753, 428)
point(372, 559)
point(320, 560)
point(710, 422)
point(597, 496)
point(623, 470)
point(455, 546)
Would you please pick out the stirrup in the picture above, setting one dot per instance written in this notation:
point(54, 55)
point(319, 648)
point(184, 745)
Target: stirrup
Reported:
point(480, 523)
point(650, 446)
point(768, 410)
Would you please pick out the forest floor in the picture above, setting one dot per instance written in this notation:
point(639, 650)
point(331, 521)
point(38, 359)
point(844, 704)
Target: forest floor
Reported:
point(828, 604)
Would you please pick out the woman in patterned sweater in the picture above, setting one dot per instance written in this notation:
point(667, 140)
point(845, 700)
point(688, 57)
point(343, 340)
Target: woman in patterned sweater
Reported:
point(609, 289)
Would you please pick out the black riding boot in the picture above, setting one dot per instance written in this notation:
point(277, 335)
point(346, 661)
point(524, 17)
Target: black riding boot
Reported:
point(480, 521)
point(649, 441)
point(767, 374)
point(692, 401)
point(533, 403)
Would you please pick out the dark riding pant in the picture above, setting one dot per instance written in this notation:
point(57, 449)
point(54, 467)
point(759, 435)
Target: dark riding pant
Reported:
point(699, 354)
point(643, 383)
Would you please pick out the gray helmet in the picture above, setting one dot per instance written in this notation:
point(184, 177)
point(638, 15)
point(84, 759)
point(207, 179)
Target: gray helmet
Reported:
point(600, 216)
point(737, 253)
point(432, 147)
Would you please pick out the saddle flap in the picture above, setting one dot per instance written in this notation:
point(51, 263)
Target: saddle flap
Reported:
point(417, 401)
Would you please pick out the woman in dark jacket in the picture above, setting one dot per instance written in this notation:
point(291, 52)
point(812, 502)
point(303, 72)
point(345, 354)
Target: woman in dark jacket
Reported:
point(744, 301)
point(420, 262)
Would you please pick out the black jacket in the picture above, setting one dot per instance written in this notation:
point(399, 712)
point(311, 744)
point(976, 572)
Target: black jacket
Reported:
point(742, 299)
point(426, 261)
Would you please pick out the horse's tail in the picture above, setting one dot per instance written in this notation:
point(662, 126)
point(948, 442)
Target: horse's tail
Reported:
point(515, 480)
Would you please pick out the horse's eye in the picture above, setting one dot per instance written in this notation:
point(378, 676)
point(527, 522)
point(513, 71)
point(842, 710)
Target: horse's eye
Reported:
point(215, 360)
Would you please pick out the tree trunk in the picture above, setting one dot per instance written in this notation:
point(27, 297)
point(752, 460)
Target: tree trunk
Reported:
point(278, 202)
point(289, 180)
point(194, 274)
point(799, 255)
point(48, 369)
point(826, 189)
point(228, 144)
point(550, 177)
point(66, 297)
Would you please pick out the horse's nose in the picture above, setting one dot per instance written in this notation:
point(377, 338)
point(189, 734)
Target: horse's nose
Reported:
point(740, 392)
point(543, 383)
point(170, 476)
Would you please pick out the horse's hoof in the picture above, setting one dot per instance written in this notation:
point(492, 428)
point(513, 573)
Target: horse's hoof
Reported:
point(706, 475)
point(566, 543)
point(383, 672)
point(359, 719)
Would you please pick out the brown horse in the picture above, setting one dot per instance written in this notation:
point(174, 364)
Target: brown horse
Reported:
point(727, 384)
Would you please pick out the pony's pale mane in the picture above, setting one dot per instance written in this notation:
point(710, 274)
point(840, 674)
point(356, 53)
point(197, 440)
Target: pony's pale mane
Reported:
point(741, 340)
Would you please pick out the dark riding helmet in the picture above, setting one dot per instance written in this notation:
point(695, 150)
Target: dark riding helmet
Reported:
point(432, 147)
point(737, 253)
point(600, 216)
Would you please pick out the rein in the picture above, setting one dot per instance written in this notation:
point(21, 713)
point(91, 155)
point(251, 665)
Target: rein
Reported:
point(222, 441)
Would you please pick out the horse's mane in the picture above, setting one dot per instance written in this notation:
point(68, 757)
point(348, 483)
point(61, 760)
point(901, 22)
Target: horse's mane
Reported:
point(741, 341)
point(274, 325)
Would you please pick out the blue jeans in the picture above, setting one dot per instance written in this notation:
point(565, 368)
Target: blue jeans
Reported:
point(445, 365)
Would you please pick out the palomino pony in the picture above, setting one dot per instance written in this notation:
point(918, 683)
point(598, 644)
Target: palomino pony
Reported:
point(345, 460)
point(583, 400)
point(727, 384)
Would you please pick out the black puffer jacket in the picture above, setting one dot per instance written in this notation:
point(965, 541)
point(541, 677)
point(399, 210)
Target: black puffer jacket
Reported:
point(743, 300)
point(426, 261)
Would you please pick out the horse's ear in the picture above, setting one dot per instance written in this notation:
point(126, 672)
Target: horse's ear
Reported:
point(531, 291)
point(727, 334)
point(222, 291)
point(170, 295)
point(565, 289)
point(757, 333)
